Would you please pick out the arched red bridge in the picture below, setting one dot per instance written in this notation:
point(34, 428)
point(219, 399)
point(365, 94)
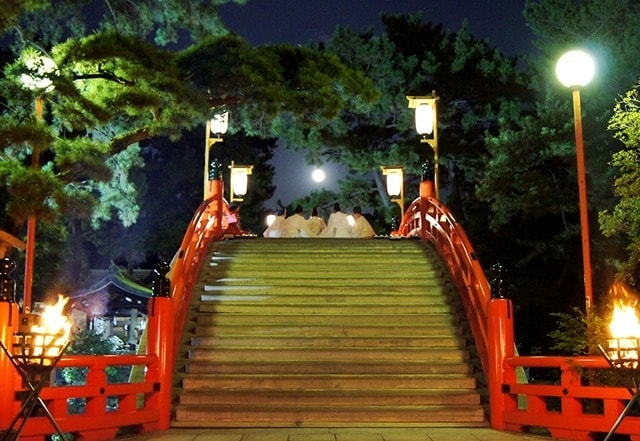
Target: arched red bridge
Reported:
point(564, 409)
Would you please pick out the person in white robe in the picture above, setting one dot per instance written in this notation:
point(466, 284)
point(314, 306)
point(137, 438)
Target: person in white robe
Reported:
point(361, 227)
point(296, 225)
point(315, 224)
point(338, 225)
point(276, 229)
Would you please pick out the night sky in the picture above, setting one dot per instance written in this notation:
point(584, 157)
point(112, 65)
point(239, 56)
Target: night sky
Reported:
point(303, 21)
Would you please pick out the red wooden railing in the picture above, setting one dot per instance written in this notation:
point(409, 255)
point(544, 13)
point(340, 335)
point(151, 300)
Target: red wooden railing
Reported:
point(133, 405)
point(206, 226)
point(574, 407)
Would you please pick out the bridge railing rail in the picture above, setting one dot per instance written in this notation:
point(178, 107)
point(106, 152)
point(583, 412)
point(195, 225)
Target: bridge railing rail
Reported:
point(574, 405)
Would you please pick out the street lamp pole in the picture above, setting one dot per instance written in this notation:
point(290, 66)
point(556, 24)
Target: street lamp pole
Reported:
point(426, 119)
point(395, 185)
point(215, 128)
point(238, 181)
point(582, 191)
point(575, 69)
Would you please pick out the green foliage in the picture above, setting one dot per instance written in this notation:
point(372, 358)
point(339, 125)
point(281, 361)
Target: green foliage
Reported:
point(163, 23)
point(624, 218)
point(87, 342)
point(577, 333)
point(114, 89)
point(527, 176)
point(415, 58)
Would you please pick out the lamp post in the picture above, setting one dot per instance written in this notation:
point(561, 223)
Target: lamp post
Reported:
point(395, 185)
point(574, 70)
point(239, 181)
point(41, 69)
point(215, 128)
point(426, 117)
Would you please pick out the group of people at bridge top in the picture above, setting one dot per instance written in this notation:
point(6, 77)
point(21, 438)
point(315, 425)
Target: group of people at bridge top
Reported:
point(338, 225)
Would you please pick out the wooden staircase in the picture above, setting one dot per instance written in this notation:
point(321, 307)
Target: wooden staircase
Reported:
point(325, 333)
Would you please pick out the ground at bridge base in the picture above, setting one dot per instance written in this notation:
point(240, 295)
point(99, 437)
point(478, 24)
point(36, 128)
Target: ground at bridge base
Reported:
point(337, 434)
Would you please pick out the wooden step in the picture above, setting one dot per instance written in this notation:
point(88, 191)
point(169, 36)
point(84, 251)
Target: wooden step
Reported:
point(327, 416)
point(381, 311)
point(325, 330)
point(341, 397)
point(325, 354)
point(328, 381)
point(400, 320)
point(406, 367)
point(423, 342)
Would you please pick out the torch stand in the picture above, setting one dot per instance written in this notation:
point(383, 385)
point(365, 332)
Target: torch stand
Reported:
point(35, 371)
point(622, 372)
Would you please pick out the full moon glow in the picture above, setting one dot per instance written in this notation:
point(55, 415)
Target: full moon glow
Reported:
point(318, 175)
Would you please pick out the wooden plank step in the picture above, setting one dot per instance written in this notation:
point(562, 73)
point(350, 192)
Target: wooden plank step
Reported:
point(327, 381)
point(325, 354)
point(424, 342)
point(406, 367)
point(400, 320)
point(310, 309)
point(333, 269)
point(327, 416)
point(214, 277)
point(296, 296)
point(369, 397)
point(283, 330)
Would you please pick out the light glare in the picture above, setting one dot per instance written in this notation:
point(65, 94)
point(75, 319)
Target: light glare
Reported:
point(318, 175)
point(575, 69)
point(424, 119)
point(41, 68)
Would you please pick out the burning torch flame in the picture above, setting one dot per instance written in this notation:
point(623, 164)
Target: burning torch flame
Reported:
point(53, 331)
point(625, 333)
point(624, 322)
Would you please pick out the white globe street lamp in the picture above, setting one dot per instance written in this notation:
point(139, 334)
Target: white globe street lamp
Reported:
point(575, 69)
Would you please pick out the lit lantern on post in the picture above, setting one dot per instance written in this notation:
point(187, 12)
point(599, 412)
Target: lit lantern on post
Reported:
point(395, 185)
point(215, 128)
point(426, 118)
point(239, 181)
point(575, 69)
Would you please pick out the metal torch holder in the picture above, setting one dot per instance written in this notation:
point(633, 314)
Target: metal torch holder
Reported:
point(625, 363)
point(31, 358)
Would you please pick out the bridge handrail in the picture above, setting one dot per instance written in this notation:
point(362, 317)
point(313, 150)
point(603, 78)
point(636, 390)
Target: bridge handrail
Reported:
point(205, 227)
point(450, 240)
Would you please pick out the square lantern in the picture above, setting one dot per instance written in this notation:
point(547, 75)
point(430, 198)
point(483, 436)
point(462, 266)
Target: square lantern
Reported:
point(239, 181)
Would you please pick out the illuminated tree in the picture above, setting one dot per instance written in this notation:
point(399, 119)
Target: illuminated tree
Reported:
point(115, 90)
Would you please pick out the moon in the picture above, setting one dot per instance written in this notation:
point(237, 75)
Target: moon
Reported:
point(318, 175)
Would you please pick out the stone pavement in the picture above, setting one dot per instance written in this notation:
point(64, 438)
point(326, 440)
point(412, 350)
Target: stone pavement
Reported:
point(337, 434)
